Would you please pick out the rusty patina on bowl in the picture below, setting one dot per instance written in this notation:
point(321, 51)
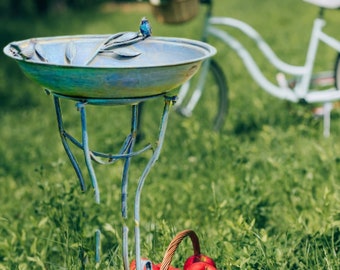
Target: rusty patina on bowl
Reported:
point(162, 65)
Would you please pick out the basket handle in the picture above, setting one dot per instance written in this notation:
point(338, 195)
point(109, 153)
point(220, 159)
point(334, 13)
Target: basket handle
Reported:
point(169, 253)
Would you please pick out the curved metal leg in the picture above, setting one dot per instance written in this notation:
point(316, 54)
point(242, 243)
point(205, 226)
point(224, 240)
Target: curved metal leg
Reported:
point(62, 133)
point(164, 120)
point(134, 127)
point(86, 149)
point(125, 153)
point(74, 162)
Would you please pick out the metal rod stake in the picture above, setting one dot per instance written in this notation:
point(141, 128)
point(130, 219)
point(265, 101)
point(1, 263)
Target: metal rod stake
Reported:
point(125, 177)
point(87, 154)
point(125, 153)
point(164, 120)
point(97, 243)
point(65, 144)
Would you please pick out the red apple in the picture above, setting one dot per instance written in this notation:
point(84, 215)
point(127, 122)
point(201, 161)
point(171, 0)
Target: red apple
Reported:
point(133, 264)
point(156, 266)
point(201, 266)
point(198, 258)
point(173, 268)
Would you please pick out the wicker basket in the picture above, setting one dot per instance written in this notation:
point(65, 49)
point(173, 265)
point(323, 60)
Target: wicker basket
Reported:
point(175, 11)
point(169, 253)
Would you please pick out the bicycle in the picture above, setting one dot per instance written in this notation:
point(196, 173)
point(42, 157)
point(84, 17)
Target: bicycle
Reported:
point(189, 95)
point(187, 99)
point(299, 91)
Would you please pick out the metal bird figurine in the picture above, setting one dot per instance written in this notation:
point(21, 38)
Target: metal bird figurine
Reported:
point(145, 27)
point(31, 51)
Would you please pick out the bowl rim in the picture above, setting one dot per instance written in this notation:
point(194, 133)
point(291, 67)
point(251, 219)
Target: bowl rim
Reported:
point(209, 49)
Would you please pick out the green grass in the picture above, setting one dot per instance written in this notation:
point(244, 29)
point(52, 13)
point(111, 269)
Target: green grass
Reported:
point(264, 193)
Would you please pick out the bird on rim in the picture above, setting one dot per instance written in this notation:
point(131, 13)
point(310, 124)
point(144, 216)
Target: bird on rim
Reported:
point(145, 27)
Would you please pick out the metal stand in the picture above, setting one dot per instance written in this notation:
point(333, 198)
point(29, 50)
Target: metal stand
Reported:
point(126, 152)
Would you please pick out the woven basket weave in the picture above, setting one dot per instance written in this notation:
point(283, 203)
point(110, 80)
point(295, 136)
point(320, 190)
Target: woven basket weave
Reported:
point(169, 253)
point(176, 11)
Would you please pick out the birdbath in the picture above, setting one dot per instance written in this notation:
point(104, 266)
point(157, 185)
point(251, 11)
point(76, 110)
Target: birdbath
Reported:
point(126, 68)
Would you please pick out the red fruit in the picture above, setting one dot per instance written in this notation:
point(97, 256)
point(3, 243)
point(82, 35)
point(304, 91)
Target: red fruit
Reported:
point(173, 268)
point(198, 258)
point(133, 264)
point(156, 266)
point(201, 266)
point(189, 262)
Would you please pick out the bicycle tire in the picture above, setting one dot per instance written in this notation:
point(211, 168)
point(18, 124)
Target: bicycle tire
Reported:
point(337, 72)
point(223, 101)
point(222, 96)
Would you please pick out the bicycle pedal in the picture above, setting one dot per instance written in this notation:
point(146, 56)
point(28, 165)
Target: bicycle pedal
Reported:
point(322, 110)
point(318, 111)
point(281, 80)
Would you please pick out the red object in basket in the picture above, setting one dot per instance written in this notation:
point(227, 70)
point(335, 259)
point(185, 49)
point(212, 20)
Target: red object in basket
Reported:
point(133, 264)
point(201, 266)
point(198, 258)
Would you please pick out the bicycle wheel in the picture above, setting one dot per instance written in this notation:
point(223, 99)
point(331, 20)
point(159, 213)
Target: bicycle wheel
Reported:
point(337, 72)
point(208, 90)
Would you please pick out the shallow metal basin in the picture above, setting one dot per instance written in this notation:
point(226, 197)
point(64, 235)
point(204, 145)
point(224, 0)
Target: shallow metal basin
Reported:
point(162, 64)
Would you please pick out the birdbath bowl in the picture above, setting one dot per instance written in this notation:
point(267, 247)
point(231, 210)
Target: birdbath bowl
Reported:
point(76, 67)
point(123, 68)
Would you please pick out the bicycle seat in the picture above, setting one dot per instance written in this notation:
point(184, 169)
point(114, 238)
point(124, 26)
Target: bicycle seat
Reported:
point(332, 4)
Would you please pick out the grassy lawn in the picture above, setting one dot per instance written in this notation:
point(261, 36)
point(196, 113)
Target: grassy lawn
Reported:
point(264, 193)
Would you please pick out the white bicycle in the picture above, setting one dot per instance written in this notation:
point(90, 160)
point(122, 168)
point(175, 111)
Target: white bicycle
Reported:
point(303, 88)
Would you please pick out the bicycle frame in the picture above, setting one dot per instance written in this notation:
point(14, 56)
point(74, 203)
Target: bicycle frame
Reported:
point(301, 91)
